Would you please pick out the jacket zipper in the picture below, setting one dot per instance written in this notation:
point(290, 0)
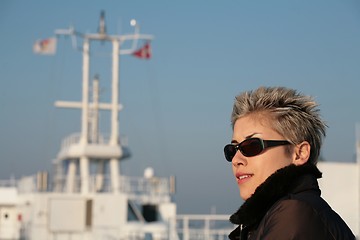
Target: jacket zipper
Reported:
point(241, 231)
point(244, 232)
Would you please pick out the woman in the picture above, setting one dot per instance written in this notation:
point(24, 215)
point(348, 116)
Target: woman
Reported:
point(277, 136)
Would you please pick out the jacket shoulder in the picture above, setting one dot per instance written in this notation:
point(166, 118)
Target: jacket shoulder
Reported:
point(299, 217)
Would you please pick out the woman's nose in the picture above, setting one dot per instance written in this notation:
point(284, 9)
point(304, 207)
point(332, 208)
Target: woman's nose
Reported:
point(239, 159)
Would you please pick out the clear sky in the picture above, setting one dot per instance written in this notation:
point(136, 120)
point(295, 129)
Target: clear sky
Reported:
point(177, 105)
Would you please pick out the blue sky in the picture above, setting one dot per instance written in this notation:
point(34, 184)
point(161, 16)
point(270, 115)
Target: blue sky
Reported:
point(178, 104)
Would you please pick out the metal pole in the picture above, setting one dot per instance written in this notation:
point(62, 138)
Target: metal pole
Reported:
point(85, 93)
point(114, 162)
point(115, 93)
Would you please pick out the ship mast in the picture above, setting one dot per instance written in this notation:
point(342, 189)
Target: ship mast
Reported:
point(84, 150)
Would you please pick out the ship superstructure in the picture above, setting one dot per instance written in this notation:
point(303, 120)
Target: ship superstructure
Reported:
point(88, 198)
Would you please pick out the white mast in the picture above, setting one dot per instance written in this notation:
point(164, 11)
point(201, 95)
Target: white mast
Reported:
point(94, 111)
point(84, 150)
point(114, 163)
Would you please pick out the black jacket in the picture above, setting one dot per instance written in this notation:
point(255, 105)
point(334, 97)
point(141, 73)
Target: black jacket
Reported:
point(288, 206)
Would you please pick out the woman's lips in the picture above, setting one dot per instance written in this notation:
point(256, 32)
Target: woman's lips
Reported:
point(243, 177)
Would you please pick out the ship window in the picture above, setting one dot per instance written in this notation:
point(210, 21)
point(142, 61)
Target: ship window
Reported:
point(134, 214)
point(131, 213)
point(148, 236)
point(88, 218)
point(150, 212)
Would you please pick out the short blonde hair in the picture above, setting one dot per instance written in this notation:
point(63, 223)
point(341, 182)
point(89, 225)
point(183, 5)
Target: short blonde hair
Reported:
point(293, 115)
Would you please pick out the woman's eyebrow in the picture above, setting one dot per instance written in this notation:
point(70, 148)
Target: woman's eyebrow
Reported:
point(251, 135)
point(247, 137)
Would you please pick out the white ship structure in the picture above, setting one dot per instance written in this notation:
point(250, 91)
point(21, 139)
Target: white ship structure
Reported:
point(78, 204)
point(340, 186)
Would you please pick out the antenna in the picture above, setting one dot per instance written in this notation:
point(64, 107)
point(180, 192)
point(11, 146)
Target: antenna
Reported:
point(102, 27)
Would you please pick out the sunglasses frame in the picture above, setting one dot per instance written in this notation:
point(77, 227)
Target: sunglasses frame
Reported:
point(263, 143)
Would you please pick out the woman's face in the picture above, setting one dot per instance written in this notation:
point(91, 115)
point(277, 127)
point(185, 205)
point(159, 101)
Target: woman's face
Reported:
point(250, 172)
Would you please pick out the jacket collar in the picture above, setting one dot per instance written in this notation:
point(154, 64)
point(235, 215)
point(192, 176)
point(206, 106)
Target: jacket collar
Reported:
point(290, 179)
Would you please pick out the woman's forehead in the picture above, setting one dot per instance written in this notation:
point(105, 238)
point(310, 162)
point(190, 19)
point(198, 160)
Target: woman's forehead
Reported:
point(254, 125)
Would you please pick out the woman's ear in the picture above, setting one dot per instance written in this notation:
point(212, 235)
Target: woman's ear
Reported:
point(302, 153)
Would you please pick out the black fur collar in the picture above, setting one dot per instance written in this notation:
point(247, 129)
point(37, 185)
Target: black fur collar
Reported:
point(278, 185)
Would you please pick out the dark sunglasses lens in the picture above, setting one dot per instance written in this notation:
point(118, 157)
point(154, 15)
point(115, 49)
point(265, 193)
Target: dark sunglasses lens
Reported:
point(251, 147)
point(229, 151)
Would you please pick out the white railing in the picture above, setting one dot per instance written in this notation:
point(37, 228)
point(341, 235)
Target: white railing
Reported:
point(189, 227)
point(96, 233)
point(133, 186)
point(102, 139)
point(70, 140)
point(208, 227)
point(8, 183)
point(140, 185)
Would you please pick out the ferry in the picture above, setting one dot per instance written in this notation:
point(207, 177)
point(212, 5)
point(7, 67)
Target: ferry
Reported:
point(87, 197)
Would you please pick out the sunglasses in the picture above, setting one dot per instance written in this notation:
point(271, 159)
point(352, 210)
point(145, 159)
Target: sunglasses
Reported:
point(251, 147)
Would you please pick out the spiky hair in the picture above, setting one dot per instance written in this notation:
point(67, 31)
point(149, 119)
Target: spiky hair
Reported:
point(292, 114)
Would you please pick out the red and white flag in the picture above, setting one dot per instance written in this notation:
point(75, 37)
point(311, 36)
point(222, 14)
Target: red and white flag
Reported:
point(144, 52)
point(45, 46)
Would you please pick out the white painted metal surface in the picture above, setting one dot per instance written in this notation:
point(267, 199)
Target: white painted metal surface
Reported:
point(340, 188)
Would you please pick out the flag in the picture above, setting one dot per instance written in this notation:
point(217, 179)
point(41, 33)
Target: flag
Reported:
point(144, 52)
point(45, 46)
